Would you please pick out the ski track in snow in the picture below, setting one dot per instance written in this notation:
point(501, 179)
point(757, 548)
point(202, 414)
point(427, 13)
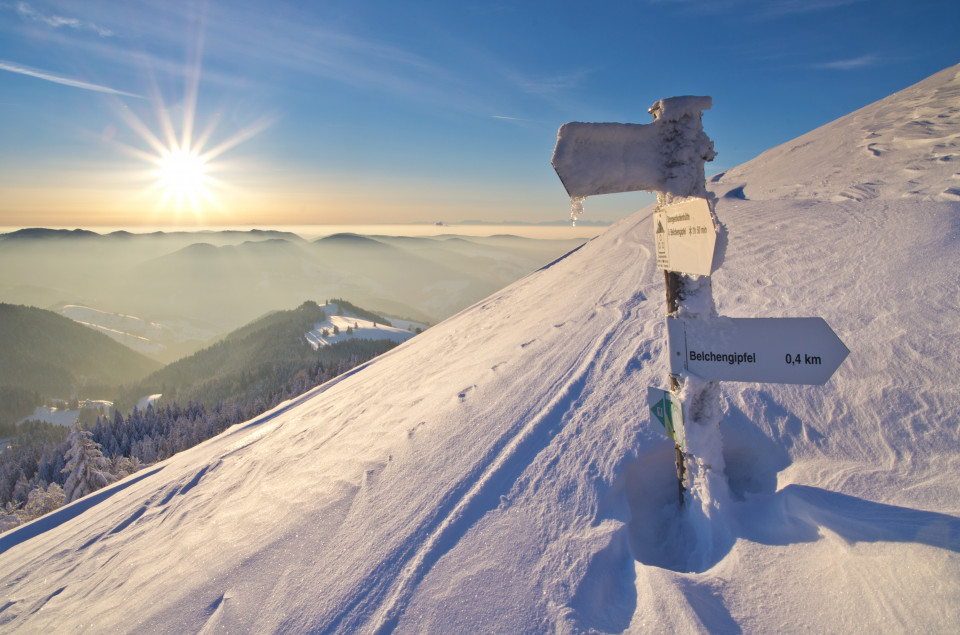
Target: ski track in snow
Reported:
point(508, 458)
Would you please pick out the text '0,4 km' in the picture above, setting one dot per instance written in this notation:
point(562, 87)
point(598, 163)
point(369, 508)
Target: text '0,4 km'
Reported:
point(805, 359)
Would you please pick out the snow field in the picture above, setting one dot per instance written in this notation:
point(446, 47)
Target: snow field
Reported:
point(361, 329)
point(500, 472)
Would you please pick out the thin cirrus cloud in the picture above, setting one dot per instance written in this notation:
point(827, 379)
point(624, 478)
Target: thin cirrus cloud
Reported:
point(65, 81)
point(849, 64)
point(755, 9)
point(57, 21)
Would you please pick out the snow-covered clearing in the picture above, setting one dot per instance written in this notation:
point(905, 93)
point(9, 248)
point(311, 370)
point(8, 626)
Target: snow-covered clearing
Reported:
point(66, 416)
point(133, 332)
point(500, 472)
point(323, 333)
point(56, 416)
point(145, 401)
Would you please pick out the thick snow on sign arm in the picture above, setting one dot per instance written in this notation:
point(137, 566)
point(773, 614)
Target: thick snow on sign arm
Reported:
point(606, 158)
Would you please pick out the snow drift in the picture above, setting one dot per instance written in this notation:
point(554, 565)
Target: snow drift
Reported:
point(500, 472)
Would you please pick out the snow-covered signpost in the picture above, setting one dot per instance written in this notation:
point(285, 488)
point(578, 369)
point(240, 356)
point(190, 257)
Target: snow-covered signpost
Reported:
point(668, 156)
point(665, 156)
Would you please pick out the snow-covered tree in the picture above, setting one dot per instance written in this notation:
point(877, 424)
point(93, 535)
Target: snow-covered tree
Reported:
point(87, 469)
point(44, 500)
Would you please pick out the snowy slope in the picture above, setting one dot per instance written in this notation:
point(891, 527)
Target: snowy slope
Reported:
point(499, 472)
point(906, 146)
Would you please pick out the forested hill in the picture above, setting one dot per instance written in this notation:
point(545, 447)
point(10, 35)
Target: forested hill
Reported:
point(255, 361)
point(46, 353)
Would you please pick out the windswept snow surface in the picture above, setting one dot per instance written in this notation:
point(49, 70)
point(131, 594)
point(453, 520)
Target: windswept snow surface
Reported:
point(906, 146)
point(500, 472)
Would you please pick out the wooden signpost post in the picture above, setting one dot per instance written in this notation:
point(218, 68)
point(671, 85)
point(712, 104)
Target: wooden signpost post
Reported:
point(667, 156)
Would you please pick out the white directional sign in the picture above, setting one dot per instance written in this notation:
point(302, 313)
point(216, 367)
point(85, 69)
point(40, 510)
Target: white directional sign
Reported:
point(606, 158)
point(685, 237)
point(769, 350)
point(667, 410)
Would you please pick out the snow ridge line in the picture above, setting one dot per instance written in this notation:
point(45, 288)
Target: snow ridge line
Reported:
point(494, 472)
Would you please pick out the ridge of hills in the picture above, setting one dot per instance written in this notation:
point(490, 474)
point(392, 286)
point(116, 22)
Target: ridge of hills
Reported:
point(198, 283)
point(501, 473)
point(45, 352)
point(259, 360)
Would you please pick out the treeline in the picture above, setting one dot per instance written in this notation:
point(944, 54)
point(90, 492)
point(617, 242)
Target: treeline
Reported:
point(15, 404)
point(34, 466)
point(259, 359)
point(47, 353)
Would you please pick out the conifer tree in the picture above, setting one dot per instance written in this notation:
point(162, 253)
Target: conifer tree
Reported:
point(44, 500)
point(87, 469)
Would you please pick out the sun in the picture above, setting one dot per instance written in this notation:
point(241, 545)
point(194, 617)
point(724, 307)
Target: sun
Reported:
point(182, 174)
point(185, 170)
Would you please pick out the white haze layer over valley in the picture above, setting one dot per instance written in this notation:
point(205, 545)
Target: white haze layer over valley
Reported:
point(168, 294)
point(501, 473)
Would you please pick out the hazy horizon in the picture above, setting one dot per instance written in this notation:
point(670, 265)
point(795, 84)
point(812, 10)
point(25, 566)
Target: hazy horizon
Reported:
point(313, 231)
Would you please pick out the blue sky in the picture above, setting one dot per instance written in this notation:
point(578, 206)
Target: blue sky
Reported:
point(382, 112)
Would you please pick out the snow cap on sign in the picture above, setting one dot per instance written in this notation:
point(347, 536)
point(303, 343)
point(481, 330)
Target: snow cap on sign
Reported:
point(676, 108)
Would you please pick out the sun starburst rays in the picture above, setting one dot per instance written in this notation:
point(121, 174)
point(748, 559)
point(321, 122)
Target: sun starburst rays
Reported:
point(180, 156)
point(181, 164)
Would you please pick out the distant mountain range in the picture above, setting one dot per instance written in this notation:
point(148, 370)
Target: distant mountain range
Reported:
point(195, 285)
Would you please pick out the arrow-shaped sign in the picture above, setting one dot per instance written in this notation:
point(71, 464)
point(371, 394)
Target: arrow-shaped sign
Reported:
point(605, 158)
point(769, 350)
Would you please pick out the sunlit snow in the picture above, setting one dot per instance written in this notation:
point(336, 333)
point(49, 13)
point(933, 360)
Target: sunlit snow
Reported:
point(500, 472)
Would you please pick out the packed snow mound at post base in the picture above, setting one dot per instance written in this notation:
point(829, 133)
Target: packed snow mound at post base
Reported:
point(904, 146)
point(500, 472)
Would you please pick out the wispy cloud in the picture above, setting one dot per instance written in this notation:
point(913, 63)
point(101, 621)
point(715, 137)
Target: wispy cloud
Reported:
point(755, 9)
point(56, 21)
point(549, 85)
point(785, 8)
point(515, 120)
point(849, 64)
point(66, 81)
